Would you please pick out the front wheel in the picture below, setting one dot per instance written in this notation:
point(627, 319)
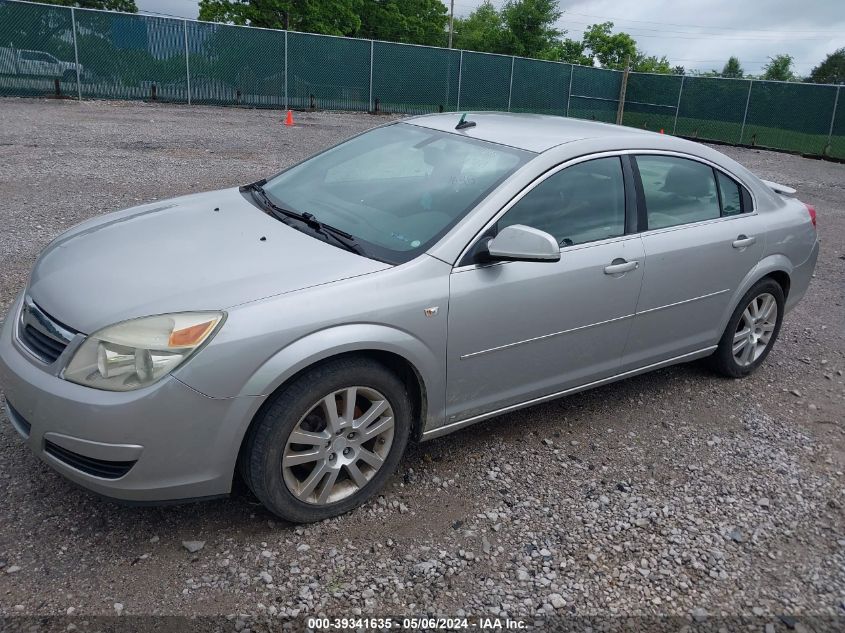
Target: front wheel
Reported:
point(751, 331)
point(329, 441)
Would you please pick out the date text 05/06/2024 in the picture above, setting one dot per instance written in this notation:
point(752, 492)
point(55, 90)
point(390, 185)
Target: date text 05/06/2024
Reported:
point(423, 623)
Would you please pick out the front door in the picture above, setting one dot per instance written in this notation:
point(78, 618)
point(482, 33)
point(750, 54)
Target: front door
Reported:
point(523, 330)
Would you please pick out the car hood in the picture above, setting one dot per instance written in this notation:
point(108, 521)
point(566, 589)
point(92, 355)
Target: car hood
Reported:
point(207, 251)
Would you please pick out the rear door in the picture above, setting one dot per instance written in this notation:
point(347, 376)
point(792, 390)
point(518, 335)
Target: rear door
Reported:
point(701, 238)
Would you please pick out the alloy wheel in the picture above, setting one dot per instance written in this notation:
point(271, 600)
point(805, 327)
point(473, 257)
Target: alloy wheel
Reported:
point(338, 446)
point(755, 328)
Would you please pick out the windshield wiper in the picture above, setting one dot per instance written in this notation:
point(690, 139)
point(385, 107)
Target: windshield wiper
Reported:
point(342, 238)
point(330, 233)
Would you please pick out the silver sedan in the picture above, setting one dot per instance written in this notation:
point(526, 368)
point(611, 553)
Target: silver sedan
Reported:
point(411, 281)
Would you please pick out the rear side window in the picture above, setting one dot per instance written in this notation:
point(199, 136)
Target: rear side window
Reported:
point(581, 203)
point(677, 191)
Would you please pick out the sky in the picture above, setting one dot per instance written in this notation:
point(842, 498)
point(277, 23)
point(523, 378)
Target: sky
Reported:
point(696, 34)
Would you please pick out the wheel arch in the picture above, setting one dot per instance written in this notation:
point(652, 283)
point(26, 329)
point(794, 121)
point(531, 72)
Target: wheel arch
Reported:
point(416, 364)
point(783, 279)
point(396, 363)
point(777, 267)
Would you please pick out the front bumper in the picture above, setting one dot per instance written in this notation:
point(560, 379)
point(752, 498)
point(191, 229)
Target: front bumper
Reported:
point(162, 443)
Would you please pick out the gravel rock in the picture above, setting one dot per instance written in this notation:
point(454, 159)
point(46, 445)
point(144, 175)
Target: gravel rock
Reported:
point(557, 601)
point(193, 546)
point(736, 536)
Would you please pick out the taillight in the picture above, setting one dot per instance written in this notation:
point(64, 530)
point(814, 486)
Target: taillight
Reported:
point(812, 211)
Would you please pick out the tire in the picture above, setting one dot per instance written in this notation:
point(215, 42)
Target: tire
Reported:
point(285, 487)
point(752, 350)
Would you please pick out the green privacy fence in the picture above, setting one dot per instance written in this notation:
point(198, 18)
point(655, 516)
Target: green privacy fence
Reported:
point(87, 54)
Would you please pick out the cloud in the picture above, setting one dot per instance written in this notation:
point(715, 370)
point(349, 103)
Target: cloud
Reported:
point(701, 35)
point(177, 8)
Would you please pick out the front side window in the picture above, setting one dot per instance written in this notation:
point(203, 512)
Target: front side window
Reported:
point(581, 203)
point(396, 189)
point(677, 191)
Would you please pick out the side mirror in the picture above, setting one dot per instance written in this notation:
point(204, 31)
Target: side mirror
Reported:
point(521, 243)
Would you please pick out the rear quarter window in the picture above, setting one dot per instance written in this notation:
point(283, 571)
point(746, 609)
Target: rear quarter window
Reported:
point(733, 197)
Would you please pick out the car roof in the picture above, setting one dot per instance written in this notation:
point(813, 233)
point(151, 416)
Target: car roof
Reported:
point(532, 132)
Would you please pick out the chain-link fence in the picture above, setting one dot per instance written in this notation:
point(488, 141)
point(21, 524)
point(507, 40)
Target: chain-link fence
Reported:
point(50, 50)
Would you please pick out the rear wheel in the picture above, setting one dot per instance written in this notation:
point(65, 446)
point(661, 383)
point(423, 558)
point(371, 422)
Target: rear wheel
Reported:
point(751, 331)
point(329, 441)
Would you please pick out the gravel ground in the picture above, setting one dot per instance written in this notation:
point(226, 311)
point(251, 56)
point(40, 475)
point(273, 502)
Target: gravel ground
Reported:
point(675, 493)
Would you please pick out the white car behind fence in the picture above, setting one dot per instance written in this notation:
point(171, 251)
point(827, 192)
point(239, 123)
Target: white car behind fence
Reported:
point(16, 61)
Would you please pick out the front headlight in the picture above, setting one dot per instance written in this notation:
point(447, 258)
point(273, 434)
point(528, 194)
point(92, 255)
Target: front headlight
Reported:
point(136, 353)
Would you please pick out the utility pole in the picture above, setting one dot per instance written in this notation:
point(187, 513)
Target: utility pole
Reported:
point(622, 88)
point(451, 21)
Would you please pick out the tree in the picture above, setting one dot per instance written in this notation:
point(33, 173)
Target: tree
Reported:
point(570, 51)
point(679, 70)
point(408, 21)
point(779, 68)
point(831, 70)
point(612, 50)
point(733, 69)
point(482, 30)
point(651, 64)
point(329, 17)
point(530, 27)
point(128, 6)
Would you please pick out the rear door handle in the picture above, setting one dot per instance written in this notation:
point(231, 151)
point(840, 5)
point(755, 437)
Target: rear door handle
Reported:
point(743, 240)
point(619, 266)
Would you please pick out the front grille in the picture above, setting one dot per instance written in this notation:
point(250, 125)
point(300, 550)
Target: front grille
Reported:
point(88, 465)
point(46, 348)
point(18, 421)
point(41, 334)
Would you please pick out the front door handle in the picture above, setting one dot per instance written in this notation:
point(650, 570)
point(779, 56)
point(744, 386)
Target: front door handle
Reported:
point(619, 266)
point(742, 241)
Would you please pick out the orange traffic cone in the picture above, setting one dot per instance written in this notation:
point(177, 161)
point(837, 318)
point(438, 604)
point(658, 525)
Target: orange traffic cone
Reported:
point(289, 119)
point(661, 130)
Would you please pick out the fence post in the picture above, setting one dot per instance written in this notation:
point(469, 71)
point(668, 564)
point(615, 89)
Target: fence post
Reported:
point(372, 46)
point(510, 87)
point(678, 106)
point(745, 116)
point(569, 94)
point(832, 120)
point(620, 111)
point(460, 70)
point(76, 54)
point(187, 59)
point(286, 70)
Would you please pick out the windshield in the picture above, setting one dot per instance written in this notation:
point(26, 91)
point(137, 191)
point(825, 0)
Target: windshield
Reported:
point(395, 189)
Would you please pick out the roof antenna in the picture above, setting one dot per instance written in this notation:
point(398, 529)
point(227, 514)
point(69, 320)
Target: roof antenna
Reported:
point(463, 123)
